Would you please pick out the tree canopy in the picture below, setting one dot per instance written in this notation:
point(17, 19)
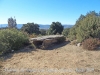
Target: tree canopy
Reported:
point(31, 28)
point(55, 27)
point(86, 26)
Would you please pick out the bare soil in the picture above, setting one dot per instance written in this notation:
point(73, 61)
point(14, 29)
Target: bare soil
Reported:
point(63, 59)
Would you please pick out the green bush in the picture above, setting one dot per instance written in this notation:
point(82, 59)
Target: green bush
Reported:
point(12, 39)
point(43, 31)
point(91, 43)
point(55, 27)
point(72, 34)
point(66, 32)
point(85, 27)
point(31, 28)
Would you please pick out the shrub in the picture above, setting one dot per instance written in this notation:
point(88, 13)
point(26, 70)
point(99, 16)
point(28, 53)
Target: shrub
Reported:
point(91, 43)
point(66, 31)
point(72, 34)
point(12, 39)
point(43, 31)
point(74, 42)
point(86, 26)
point(32, 35)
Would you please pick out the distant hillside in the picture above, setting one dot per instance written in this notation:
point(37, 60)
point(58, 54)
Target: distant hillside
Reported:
point(41, 26)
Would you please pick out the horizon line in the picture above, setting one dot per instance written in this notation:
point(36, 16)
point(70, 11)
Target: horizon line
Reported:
point(44, 24)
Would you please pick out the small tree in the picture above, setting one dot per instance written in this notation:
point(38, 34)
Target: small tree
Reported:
point(56, 27)
point(43, 31)
point(31, 28)
point(12, 23)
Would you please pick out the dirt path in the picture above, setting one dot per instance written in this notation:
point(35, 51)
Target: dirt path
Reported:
point(66, 60)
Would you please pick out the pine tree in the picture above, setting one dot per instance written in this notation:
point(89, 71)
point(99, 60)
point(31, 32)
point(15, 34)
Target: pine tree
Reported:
point(86, 26)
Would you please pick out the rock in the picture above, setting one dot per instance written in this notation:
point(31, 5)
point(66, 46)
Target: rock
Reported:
point(79, 44)
point(12, 50)
point(45, 41)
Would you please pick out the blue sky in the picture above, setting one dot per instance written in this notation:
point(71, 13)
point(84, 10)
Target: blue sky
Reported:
point(46, 11)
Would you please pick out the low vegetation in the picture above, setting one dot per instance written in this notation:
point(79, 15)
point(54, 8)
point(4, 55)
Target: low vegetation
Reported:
point(43, 31)
point(66, 31)
point(33, 35)
point(12, 39)
point(91, 43)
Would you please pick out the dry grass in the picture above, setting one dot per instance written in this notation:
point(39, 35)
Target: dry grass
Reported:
point(63, 61)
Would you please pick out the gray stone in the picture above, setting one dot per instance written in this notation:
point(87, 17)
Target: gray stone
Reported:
point(79, 44)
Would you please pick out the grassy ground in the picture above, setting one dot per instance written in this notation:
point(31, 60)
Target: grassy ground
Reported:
point(63, 59)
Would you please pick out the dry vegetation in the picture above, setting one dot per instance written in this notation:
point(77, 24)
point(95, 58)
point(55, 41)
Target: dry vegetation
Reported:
point(56, 59)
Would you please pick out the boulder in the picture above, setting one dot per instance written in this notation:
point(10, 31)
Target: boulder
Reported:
point(45, 41)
